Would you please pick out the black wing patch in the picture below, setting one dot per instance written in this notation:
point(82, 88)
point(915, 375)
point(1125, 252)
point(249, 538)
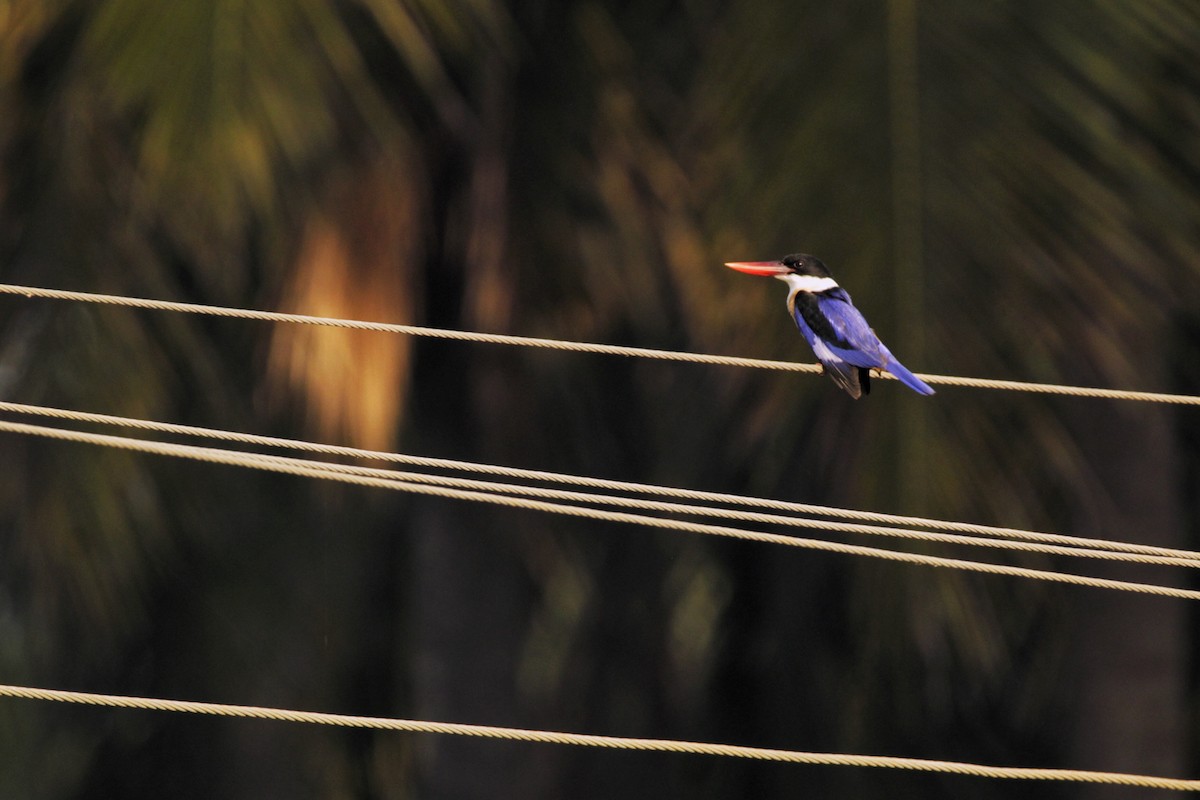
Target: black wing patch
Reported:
point(807, 306)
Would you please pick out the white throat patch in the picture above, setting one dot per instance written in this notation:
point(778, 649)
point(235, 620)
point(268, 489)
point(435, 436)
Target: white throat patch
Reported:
point(807, 283)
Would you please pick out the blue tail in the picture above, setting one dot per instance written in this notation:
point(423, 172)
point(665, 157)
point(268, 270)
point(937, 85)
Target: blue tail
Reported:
point(907, 378)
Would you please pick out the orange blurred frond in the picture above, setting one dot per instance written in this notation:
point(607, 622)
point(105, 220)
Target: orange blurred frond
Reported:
point(357, 259)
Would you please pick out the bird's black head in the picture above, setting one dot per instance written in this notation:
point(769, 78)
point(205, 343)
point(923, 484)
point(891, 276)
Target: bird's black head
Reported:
point(804, 264)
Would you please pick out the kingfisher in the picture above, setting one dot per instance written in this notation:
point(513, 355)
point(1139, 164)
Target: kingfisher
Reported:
point(838, 333)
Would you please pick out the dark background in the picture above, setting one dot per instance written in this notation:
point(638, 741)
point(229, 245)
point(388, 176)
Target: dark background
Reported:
point(1009, 190)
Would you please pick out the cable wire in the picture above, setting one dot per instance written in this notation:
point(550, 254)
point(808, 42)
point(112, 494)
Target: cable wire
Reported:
point(594, 740)
point(485, 491)
point(578, 347)
point(408, 330)
point(749, 516)
point(1155, 555)
point(308, 469)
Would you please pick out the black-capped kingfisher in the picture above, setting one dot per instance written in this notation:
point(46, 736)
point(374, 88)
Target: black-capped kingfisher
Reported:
point(838, 333)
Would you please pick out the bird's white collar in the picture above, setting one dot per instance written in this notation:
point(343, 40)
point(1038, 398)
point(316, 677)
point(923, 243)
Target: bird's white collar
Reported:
point(807, 283)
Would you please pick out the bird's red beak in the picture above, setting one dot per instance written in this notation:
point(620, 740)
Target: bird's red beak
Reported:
point(758, 267)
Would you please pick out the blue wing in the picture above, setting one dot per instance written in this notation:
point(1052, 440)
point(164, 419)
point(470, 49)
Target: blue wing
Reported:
point(843, 341)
